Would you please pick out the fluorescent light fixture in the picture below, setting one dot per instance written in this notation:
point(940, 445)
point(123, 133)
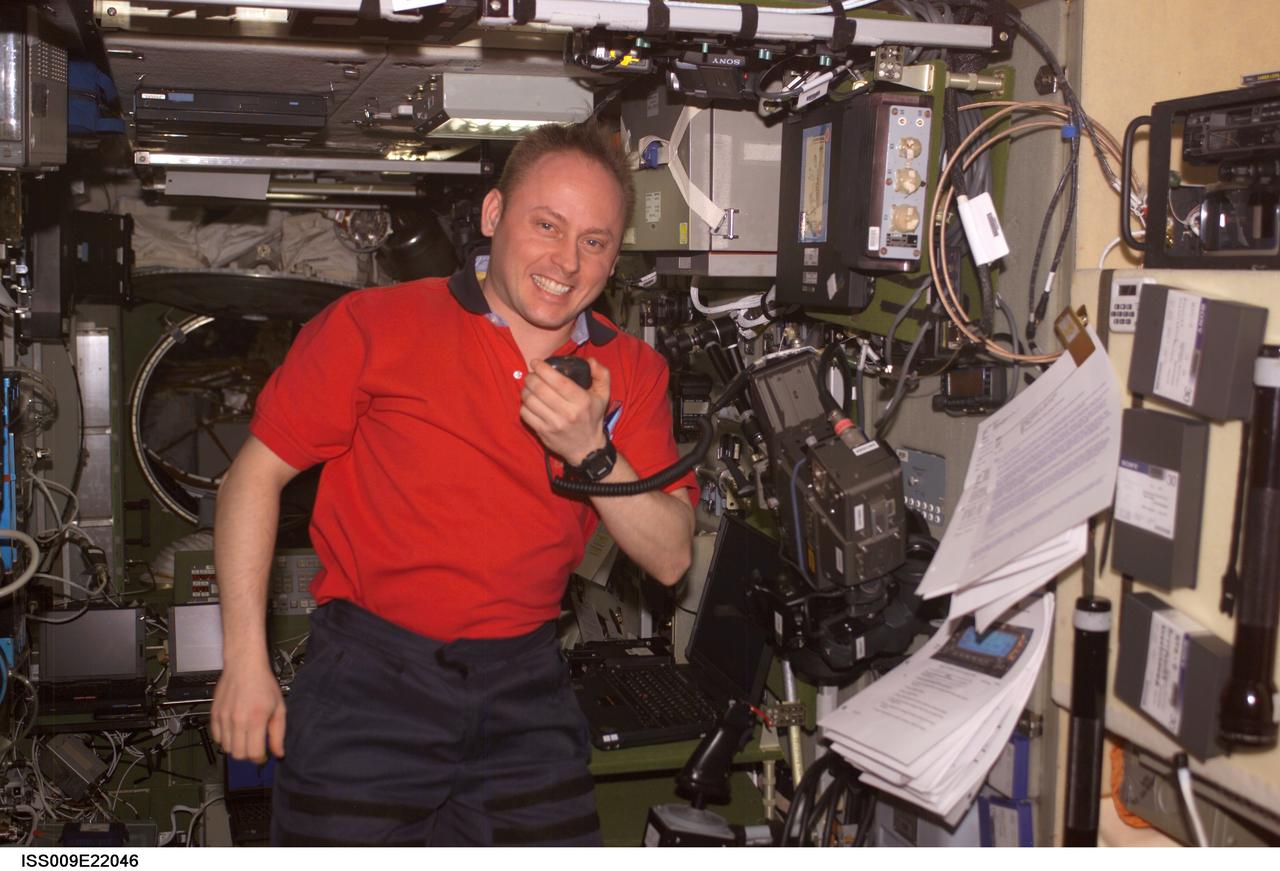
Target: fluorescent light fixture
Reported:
point(480, 106)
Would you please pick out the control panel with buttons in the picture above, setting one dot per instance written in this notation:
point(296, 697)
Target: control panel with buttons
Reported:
point(924, 484)
point(1125, 293)
point(195, 580)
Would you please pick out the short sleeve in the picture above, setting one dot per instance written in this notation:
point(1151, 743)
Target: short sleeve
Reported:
point(644, 433)
point(307, 412)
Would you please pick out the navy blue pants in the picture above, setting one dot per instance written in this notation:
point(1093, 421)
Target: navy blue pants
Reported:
point(397, 739)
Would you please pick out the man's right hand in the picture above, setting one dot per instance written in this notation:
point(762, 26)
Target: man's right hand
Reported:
point(248, 713)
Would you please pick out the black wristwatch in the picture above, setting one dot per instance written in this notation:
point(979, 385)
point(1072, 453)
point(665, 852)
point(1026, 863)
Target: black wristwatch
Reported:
point(595, 465)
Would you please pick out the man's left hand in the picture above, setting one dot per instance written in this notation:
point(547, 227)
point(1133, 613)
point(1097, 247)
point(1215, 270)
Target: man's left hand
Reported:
point(568, 420)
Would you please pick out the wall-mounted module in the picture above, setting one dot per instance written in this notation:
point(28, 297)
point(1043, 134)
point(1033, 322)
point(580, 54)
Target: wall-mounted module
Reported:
point(854, 197)
point(1196, 353)
point(1160, 497)
point(1173, 670)
point(706, 186)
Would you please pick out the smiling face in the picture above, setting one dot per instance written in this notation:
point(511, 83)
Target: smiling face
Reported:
point(555, 241)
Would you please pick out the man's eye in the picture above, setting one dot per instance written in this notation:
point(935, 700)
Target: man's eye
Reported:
point(546, 225)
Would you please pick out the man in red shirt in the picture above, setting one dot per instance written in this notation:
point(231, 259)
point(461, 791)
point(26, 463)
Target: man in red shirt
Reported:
point(434, 706)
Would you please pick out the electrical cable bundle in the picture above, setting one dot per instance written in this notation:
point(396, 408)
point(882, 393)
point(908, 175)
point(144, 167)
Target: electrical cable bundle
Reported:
point(816, 812)
point(1077, 122)
point(946, 193)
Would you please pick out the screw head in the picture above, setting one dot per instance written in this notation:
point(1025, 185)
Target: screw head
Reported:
point(495, 5)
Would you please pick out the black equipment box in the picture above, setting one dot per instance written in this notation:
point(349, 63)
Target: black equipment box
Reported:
point(1233, 222)
point(182, 109)
point(853, 198)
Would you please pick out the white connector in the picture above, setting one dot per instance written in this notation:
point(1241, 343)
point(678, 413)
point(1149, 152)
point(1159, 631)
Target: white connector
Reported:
point(982, 228)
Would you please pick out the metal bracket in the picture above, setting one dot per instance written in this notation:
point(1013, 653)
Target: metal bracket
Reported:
point(786, 714)
point(727, 222)
point(889, 67)
point(1030, 724)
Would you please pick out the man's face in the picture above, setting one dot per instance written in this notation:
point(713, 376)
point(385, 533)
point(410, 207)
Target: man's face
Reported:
point(555, 241)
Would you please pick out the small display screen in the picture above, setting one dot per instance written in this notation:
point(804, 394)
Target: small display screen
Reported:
point(195, 634)
point(966, 382)
point(993, 652)
point(99, 644)
point(815, 183)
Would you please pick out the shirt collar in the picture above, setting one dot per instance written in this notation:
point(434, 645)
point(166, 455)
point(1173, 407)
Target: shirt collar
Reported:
point(465, 287)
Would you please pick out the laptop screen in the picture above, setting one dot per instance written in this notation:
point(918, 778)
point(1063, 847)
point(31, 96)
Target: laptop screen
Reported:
point(726, 643)
point(195, 638)
point(100, 644)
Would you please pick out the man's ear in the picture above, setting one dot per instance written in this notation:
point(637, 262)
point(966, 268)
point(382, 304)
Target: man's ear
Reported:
point(490, 212)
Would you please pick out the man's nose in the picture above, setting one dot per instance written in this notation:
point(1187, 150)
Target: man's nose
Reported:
point(566, 255)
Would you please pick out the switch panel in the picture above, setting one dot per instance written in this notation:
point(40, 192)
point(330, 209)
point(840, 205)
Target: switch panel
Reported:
point(895, 231)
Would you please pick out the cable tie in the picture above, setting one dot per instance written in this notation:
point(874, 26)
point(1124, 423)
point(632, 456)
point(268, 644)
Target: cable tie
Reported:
point(659, 23)
point(1070, 131)
point(750, 21)
point(524, 11)
point(843, 28)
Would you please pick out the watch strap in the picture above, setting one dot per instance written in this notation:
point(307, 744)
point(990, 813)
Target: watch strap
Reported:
point(595, 465)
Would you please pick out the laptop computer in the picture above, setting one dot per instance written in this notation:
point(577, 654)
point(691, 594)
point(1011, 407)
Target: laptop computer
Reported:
point(93, 663)
point(246, 789)
point(195, 652)
point(634, 693)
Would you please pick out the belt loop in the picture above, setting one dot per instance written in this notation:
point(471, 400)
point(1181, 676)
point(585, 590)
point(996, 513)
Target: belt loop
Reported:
point(443, 660)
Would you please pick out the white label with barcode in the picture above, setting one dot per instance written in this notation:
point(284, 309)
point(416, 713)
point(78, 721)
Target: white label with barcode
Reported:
point(1163, 681)
point(1181, 340)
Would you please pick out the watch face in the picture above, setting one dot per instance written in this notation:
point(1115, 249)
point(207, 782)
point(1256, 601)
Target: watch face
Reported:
point(599, 463)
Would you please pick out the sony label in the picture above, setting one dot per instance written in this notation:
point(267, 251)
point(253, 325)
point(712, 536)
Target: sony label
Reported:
point(1147, 497)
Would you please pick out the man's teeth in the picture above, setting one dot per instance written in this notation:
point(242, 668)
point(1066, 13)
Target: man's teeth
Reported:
point(550, 286)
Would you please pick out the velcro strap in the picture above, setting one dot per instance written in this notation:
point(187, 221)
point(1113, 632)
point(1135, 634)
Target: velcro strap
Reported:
point(575, 788)
point(659, 19)
point(842, 29)
point(750, 21)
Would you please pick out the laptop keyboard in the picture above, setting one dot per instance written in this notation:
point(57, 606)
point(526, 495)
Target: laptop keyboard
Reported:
point(662, 697)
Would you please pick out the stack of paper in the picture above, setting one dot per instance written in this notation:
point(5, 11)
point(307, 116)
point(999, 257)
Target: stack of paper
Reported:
point(1041, 466)
point(931, 729)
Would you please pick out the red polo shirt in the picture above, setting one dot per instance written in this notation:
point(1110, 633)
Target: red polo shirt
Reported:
point(434, 510)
